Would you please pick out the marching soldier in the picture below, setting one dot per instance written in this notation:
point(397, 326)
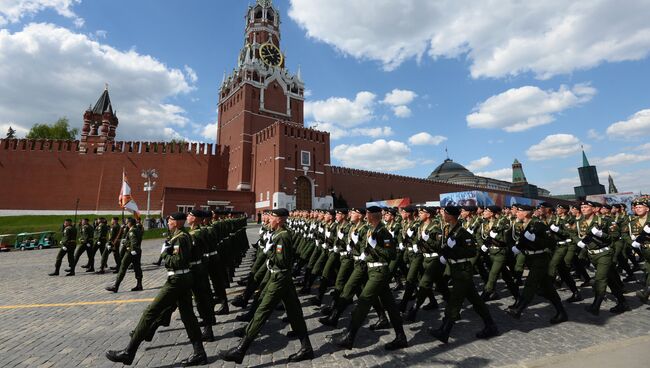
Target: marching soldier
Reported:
point(394, 226)
point(639, 235)
point(98, 244)
point(414, 258)
point(68, 243)
point(337, 255)
point(280, 288)
point(594, 237)
point(533, 239)
point(85, 243)
point(112, 246)
point(175, 292)
point(132, 256)
point(458, 250)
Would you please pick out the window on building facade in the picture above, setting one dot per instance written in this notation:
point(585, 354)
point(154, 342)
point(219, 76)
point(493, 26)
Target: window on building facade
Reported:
point(305, 158)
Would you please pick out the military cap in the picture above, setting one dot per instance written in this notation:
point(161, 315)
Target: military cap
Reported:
point(196, 213)
point(545, 205)
point(280, 212)
point(429, 210)
point(564, 206)
point(588, 203)
point(332, 212)
point(359, 210)
point(68, 220)
point(452, 210)
point(493, 209)
point(408, 209)
point(392, 211)
point(525, 207)
point(641, 202)
point(609, 207)
point(178, 216)
point(343, 211)
point(373, 209)
point(469, 208)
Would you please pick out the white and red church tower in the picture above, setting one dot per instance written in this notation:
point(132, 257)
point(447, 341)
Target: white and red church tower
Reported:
point(261, 129)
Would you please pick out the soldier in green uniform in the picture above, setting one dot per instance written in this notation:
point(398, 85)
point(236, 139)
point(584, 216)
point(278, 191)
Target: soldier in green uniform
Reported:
point(458, 250)
point(345, 242)
point(132, 255)
point(98, 243)
point(428, 241)
point(619, 216)
point(397, 266)
point(330, 258)
point(494, 235)
point(594, 237)
point(638, 233)
point(280, 288)
point(337, 256)
point(562, 227)
point(534, 240)
point(412, 256)
point(85, 243)
point(376, 252)
point(175, 292)
point(472, 223)
point(67, 243)
point(111, 246)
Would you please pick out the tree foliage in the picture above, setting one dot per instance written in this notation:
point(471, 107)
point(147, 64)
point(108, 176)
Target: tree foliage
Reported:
point(59, 130)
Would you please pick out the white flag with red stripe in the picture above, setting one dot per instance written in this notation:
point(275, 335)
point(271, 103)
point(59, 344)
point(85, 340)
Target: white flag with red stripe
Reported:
point(125, 199)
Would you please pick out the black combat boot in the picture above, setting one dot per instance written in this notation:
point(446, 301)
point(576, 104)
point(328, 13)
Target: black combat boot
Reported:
point(138, 286)
point(489, 296)
point(224, 310)
point(125, 356)
point(594, 308)
point(643, 294)
point(442, 333)
point(55, 273)
point(198, 357)
point(413, 312)
point(433, 304)
point(621, 305)
point(327, 310)
point(114, 288)
point(490, 330)
point(575, 297)
point(100, 272)
point(381, 323)
point(400, 339)
point(346, 340)
point(517, 311)
point(408, 293)
point(333, 319)
point(560, 312)
point(306, 352)
point(237, 354)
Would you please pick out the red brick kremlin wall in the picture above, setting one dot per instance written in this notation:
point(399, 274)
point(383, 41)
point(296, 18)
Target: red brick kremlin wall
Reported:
point(51, 175)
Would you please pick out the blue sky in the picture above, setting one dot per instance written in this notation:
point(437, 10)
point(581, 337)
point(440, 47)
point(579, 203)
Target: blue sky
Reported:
point(395, 81)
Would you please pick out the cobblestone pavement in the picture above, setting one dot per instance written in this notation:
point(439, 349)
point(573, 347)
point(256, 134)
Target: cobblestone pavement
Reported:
point(72, 321)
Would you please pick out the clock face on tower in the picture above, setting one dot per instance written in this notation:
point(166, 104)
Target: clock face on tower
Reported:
point(271, 54)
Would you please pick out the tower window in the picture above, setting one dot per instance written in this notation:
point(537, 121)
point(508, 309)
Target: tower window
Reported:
point(305, 158)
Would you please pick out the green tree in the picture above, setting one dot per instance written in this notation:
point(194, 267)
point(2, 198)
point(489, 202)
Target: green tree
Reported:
point(11, 133)
point(59, 130)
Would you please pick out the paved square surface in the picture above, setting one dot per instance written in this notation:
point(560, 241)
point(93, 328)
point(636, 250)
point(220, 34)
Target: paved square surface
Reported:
point(71, 321)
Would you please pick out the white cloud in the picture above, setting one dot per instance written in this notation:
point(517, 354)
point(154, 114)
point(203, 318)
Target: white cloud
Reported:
point(593, 134)
point(563, 186)
point(337, 132)
point(482, 162)
point(502, 38)
point(426, 139)
point(209, 132)
point(500, 174)
point(380, 155)
point(342, 111)
point(520, 109)
point(555, 146)
point(399, 97)
point(12, 11)
point(637, 125)
point(620, 159)
point(191, 74)
point(62, 72)
point(402, 111)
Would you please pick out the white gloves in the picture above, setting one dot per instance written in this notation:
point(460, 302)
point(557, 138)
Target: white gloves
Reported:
point(470, 231)
point(336, 249)
point(633, 237)
point(451, 243)
point(392, 233)
point(327, 233)
point(493, 235)
point(64, 248)
point(425, 236)
point(268, 246)
point(636, 245)
point(401, 246)
point(348, 248)
point(646, 229)
point(484, 248)
point(339, 235)
point(515, 250)
point(529, 236)
point(355, 237)
point(362, 257)
point(409, 232)
point(321, 230)
point(415, 248)
point(555, 228)
point(99, 243)
point(133, 253)
point(88, 245)
point(581, 244)
point(597, 232)
point(443, 260)
point(317, 243)
point(372, 242)
point(164, 247)
point(324, 245)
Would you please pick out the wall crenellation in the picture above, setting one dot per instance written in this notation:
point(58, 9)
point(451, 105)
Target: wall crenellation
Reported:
point(196, 148)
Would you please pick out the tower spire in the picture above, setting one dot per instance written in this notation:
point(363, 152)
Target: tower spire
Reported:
point(585, 162)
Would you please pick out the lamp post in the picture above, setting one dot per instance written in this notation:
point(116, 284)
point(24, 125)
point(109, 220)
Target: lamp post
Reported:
point(149, 175)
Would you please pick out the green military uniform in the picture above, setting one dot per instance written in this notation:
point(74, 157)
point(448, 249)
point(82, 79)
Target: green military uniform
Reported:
point(99, 244)
point(637, 235)
point(67, 243)
point(534, 240)
point(332, 261)
point(112, 246)
point(594, 238)
point(132, 256)
point(397, 265)
point(562, 232)
point(85, 244)
point(458, 250)
point(493, 238)
point(413, 257)
point(344, 246)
